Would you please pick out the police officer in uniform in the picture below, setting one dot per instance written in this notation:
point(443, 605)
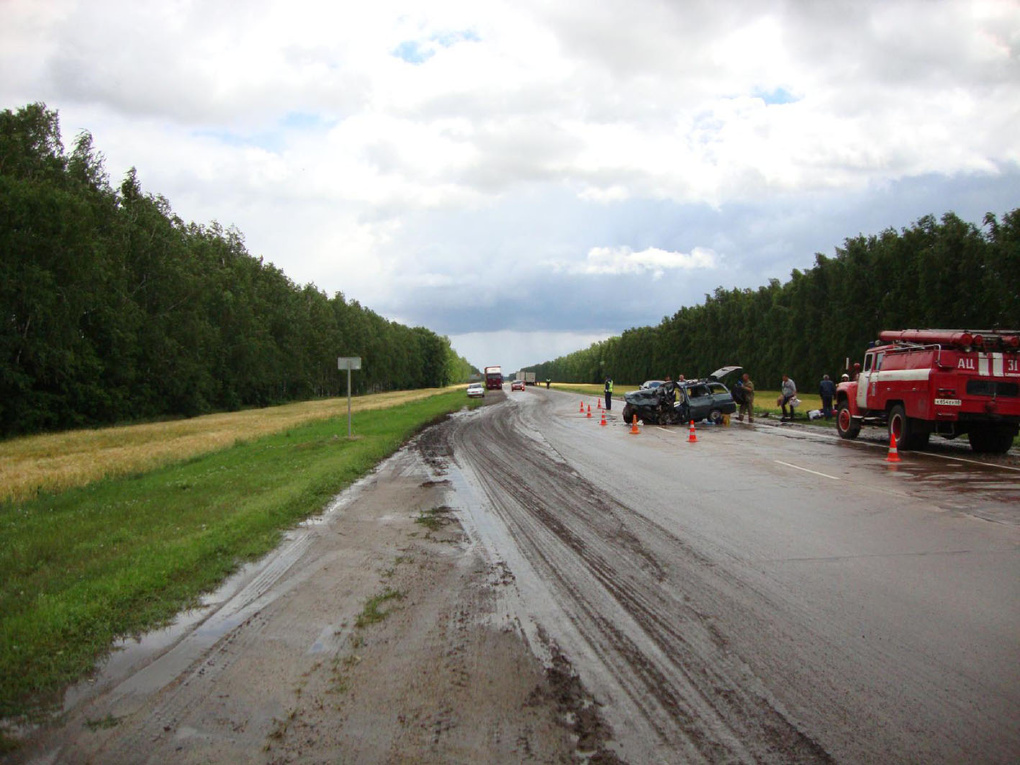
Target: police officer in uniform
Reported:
point(609, 393)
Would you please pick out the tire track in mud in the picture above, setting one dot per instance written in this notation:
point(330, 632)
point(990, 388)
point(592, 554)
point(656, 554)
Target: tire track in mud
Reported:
point(627, 586)
point(163, 693)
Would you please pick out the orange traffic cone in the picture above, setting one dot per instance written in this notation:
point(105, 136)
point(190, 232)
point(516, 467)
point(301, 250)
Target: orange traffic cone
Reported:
point(692, 438)
point(603, 417)
point(633, 426)
point(894, 455)
point(581, 410)
point(589, 411)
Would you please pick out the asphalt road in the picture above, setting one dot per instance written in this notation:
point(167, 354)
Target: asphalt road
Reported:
point(764, 594)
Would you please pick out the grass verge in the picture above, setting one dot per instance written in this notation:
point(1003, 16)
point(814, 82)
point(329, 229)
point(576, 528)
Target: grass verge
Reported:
point(79, 569)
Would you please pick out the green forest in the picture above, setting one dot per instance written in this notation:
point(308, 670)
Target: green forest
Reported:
point(114, 309)
point(936, 274)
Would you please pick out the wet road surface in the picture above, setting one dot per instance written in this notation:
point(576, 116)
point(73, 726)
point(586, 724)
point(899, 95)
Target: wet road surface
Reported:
point(764, 594)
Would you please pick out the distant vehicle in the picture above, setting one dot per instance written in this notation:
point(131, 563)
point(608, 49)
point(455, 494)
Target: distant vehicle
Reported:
point(494, 378)
point(517, 385)
point(528, 378)
point(476, 390)
point(648, 384)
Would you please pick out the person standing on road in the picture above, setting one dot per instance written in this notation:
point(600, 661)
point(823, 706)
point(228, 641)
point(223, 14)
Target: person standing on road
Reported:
point(747, 399)
point(827, 390)
point(789, 395)
point(609, 393)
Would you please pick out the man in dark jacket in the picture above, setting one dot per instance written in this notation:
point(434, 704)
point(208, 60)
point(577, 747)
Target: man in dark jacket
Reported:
point(609, 393)
point(826, 389)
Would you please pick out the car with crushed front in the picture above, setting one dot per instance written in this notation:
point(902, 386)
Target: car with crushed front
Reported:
point(685, 401)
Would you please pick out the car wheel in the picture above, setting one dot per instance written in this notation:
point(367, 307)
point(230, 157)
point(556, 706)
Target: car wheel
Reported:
point(715, 417)
point(628, 414)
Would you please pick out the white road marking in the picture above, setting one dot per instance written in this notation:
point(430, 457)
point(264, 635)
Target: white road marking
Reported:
point(972, 462)
point(874, 445)
point(813, 472)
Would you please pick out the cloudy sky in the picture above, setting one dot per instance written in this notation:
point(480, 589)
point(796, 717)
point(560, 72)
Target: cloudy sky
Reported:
point(528, 177)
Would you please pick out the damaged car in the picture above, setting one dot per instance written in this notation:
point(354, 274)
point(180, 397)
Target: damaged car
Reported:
point(674, 403)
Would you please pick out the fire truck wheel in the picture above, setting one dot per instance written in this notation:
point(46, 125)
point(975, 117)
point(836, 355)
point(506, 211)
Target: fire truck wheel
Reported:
point(990, 439)
point(901, 427)
point(845, 424)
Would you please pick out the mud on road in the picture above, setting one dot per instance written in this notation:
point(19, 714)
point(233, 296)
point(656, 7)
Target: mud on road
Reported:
point(379, 632)
point(620, 591)
point(496, 592)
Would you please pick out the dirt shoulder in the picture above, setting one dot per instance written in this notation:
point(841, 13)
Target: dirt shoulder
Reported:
point(377, 633)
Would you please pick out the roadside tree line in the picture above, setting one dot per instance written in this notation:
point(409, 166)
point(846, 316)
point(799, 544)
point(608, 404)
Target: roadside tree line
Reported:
point(935, 274)
point(113, 309)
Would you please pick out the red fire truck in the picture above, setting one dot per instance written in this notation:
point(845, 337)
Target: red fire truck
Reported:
point(493, 378)
point(949, 382)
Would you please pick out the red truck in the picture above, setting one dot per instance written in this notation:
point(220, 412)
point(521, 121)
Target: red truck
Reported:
point(493, 378)
point(949, 382)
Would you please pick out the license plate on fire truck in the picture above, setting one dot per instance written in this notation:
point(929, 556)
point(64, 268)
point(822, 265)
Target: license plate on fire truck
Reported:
point(947, 402)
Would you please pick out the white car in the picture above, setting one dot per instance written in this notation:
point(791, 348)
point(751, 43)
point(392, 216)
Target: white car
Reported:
point(476, 390)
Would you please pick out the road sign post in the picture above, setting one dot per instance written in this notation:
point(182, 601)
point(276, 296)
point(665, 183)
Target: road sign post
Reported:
point(348, 363)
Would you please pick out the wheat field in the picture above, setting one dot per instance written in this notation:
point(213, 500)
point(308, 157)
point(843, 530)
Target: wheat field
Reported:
point(59, 461)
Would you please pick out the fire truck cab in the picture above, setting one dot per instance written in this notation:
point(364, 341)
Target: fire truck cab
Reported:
point(943, 382)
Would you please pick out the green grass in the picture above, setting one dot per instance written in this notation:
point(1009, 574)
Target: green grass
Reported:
point(434, 519)
point(373, 612)
point(81, 568)
point(765, 401)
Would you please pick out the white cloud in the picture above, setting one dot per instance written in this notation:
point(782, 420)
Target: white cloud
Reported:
point(623, 260)
point(388, 149)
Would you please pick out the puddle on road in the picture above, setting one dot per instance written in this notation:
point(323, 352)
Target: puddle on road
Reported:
point(948, 475)
point(137, 659)
point(983, 491)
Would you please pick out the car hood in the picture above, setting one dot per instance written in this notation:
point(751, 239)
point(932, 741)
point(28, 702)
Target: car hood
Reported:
point(642, 397)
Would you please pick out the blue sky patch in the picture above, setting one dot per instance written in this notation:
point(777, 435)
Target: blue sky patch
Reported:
point(413, 52)
point(301, 121)
point(418, 52)
point(777, 96)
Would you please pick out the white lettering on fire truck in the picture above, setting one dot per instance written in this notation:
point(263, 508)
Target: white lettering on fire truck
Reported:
point(991, 364)
point(966, 364)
